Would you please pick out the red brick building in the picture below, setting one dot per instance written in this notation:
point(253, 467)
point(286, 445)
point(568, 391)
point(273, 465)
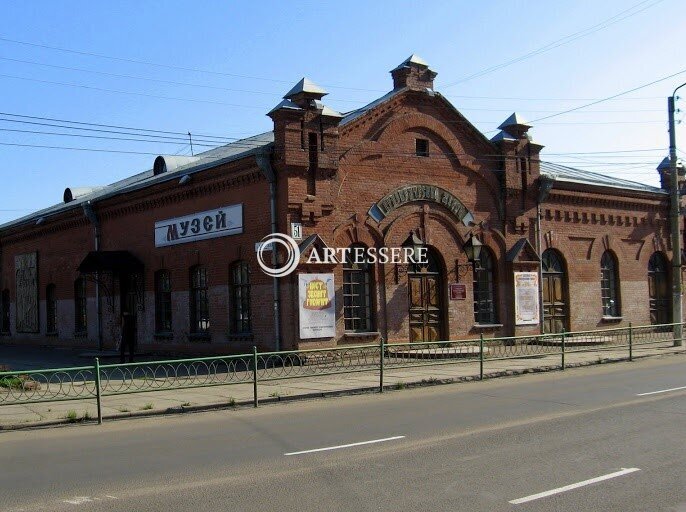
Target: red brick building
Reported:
point(176, 245)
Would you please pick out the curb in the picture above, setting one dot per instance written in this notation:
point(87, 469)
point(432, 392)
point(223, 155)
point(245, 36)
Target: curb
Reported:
point(329, 394)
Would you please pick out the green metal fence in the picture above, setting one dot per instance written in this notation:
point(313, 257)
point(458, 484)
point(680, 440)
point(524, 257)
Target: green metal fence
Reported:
point(99, 381)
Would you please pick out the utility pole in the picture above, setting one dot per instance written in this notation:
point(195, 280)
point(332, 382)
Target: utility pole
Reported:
point(675, 216)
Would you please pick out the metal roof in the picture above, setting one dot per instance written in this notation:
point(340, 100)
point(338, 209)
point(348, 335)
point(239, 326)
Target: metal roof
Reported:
point(514, 120)
point(285, 104)
point(354, 114)
point(412, 59)
point(307, 86)
point(562, 173)
point(502, 135)
point(212, 158)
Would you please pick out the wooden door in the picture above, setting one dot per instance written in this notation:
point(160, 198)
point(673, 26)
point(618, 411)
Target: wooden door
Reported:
point(426, 311)
point(555, 302)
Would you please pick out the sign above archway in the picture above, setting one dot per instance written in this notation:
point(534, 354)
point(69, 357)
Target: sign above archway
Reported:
point(413, 193)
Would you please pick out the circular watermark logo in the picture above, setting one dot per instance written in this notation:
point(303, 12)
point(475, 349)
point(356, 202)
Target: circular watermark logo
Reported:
point(292, 254)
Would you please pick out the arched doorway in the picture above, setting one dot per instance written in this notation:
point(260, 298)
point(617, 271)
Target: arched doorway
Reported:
point(658, 289)
point(555, 301)
point(425, 285)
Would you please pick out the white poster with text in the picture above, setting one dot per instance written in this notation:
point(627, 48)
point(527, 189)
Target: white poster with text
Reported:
point(526, 298)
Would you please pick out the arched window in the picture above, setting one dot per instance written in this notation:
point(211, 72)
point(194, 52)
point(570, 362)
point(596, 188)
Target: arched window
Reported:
point(5, 312)
point(80, 306)
point(484, 289)
point(163, 310)
point(50, 309)
point(357, 296)
point(609, 285)
point(658, 289)
point(199, 301)
point(240, 298)
point(555, 301)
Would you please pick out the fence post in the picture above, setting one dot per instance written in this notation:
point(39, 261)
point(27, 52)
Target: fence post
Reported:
point(481, 356)
point(382, 350)
point(97, 389)
point(254, 375)
point(563, 348)
point(631, 343)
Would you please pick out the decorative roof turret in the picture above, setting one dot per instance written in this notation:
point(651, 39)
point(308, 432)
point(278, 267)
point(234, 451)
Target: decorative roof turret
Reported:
point(304, 92)
point(413, 73)
point(515, 125)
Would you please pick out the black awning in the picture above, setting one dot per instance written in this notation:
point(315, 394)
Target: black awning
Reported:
point(117, 262)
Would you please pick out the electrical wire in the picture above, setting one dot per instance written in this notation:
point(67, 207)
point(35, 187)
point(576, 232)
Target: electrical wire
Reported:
point(560, 42)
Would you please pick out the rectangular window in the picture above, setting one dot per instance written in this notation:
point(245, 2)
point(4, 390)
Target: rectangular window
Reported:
point(422, 147)
point(80, 306)
point(199, 301)
point(163, 312)
point(357, 299)
point(51, 309)
point(609, 285)
point(5, 312)
point(240, 298)
point(314, 165)
point(484, 290)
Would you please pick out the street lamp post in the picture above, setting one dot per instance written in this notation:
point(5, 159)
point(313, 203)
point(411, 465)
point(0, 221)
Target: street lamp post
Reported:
point(675, 214)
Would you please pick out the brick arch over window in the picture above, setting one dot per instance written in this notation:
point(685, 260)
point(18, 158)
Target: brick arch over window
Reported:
point(448, 139)
point(409, 218)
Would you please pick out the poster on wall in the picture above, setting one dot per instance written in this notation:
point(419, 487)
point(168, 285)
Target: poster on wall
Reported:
point(526, 298)
point(316, 303)
point(26, 273)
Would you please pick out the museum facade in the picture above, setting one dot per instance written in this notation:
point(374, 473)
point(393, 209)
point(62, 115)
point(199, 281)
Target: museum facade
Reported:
point(510, 244)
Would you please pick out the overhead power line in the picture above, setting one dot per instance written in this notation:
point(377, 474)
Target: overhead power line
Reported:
point(611, 97)
point(628, 13)
point(100, 125)
point(166, 66)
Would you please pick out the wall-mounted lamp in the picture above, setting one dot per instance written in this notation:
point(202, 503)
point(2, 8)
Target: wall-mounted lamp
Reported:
point(40, 220)
point(472, 248)
point(185, 179)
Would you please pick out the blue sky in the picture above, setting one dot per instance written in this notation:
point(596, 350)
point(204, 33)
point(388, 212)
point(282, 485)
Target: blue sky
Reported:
point(241, 57)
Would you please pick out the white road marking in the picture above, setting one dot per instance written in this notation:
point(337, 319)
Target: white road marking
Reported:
point(624, 471)
point(78, 500)
point(110, 497)
point(661, 391)
point(347, 445)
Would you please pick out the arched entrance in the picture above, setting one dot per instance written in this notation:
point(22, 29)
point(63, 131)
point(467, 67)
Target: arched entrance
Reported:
point(555, 301)
point(427, 313)
point(658, 288)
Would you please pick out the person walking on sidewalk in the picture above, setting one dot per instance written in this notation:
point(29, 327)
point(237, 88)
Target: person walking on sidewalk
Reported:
point(128, 336)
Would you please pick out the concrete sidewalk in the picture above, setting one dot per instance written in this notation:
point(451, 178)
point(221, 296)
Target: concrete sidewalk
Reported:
point(180, 400)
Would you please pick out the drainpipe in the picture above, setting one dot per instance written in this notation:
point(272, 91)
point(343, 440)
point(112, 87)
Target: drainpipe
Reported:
point(93, 218)
point(264, 163)
point(546, 184)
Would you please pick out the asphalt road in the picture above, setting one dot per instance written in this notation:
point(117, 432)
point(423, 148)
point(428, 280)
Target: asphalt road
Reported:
point(583, 438)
